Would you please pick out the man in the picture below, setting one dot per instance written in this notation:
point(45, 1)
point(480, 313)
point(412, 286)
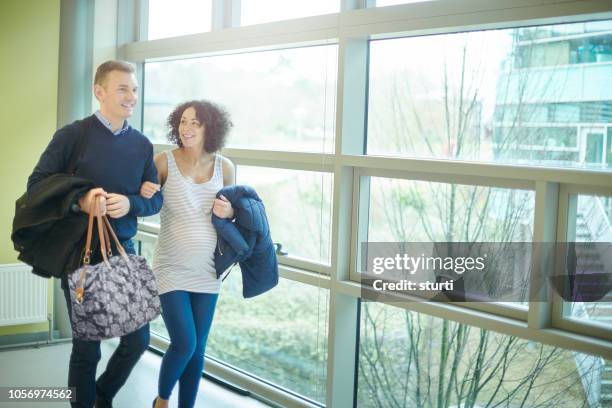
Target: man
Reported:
point(118, 159)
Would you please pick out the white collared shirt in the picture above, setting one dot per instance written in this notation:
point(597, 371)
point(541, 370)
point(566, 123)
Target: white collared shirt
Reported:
point(108, 125)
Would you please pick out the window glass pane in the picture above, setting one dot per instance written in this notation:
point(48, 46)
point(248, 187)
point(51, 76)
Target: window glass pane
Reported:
point(278, 100)
point(263, 11)
point(408, 359)
point(178, 17)
point(280, 336)
point(591, 224)
point(425, 212)
point(523, 96)
point(298, 206)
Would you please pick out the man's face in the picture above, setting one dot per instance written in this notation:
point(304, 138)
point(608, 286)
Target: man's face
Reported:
point(118, 95)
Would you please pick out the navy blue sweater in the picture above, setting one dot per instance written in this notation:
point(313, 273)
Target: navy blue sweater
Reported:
point(118, 164)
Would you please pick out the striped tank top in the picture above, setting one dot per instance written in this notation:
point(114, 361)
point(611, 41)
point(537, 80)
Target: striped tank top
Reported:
point(184, 255)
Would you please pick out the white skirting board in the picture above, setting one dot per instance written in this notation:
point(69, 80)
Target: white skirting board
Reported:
point(23, 295)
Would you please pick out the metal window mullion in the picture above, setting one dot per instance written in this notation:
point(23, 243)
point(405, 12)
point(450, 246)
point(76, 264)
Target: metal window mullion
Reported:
point(350, 138)
point(137, 119)
point(142, 34)
point(477, 169)
point(299, 163)
point(304, 264)
point(346, 5)
point(233, 18)
point(129, 16)
point(279, 155)
point(409, 19)
point(132, 22)
point(217, 15)
point(566, 228)
point(361, 222)
point(493, 322)
point(496, 309)
point(225, 14)
point(143, 20)
point(575, 189)
point(450, 178)
point(75, 73)
point(600, 330)
point(306, 277)
point(539, 315)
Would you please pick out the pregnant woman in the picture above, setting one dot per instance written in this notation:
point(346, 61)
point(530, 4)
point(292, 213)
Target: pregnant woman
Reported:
point(190, 176)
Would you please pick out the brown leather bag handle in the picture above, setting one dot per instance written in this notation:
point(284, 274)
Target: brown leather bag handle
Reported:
point(94, 208)
point(120, 248)
point(102, 234)
point(87, 255)
point(109, 251)
point(104, 228)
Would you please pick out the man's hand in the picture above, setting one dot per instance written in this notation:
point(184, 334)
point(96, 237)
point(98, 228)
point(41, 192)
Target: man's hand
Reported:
point(148, 189)
point(222, 208)
point(86, 200)
point(117, 205)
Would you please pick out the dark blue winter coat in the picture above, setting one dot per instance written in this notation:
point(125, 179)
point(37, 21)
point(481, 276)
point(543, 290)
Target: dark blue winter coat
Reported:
point(247, 241)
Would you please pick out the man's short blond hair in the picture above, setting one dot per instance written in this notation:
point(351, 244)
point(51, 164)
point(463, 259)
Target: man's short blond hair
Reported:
point(112, 65)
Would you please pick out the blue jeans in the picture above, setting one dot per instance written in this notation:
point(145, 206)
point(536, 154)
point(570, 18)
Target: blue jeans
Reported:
point(188, 317)
point(86, 355)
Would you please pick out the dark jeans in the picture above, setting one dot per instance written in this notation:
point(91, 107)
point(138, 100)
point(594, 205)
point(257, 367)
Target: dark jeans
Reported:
point(86, 355)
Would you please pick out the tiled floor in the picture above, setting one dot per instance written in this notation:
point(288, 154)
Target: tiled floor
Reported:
point(48, 366)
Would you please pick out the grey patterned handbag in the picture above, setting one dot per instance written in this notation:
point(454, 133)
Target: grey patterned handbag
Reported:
point(115, 297)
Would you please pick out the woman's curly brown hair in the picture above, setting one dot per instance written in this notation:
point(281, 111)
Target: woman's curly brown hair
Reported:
point(216, 121)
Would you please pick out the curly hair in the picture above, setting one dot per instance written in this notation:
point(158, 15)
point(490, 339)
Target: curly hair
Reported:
point(216, 121)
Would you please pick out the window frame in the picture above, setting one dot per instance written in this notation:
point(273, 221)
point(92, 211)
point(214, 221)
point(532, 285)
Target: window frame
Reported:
point(361, 202)
point(352, 29)
point(567, 199)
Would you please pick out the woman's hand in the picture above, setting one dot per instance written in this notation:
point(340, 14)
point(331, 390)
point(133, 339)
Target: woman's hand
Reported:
point(148, 189)
point(222, 208)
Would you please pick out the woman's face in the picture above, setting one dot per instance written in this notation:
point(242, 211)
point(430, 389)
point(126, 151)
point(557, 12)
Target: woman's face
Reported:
point(191, 131)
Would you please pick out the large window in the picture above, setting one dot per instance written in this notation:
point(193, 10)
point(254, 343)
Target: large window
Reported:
point(398, 125)
point(494, 96)
point(278, 100)
point(407, 359)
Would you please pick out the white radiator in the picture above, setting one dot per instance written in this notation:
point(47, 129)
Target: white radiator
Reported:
point(23, 296)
